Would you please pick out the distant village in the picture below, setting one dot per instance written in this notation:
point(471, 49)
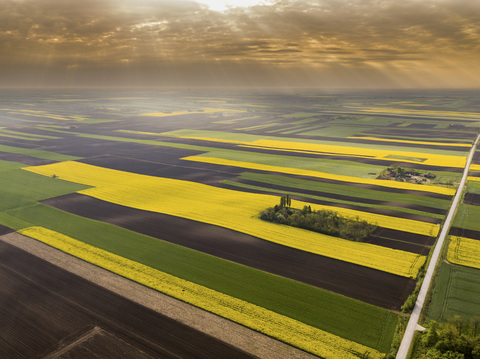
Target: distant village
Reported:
point(402, 174)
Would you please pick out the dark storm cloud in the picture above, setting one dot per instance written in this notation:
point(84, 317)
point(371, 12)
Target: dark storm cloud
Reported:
point(186, 41)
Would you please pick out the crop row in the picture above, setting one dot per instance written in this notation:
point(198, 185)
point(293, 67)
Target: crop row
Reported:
point(239, 211)
point(464, 251)
point(270, 323)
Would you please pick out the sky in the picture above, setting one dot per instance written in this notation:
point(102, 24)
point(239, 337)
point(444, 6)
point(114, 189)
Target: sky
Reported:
point(235, 43)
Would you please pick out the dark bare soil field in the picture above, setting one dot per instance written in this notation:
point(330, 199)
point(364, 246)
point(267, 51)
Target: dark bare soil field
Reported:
point(472, 198)
point(170, 167)
point(44, 308)
point(476, 158)
point(5, 230)
point(404, 246)
point(28, 160)
point(462, 232)
point(404, 236)
point(369, 285)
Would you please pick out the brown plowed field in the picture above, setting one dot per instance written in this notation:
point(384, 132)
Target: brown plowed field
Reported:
point(42, 304)
point(404, 246)
point(5, 230)
point(462, 232)
point(472, 198)
point(476, 158)
point(404, 236)
point(28, 160)
point(369, 285)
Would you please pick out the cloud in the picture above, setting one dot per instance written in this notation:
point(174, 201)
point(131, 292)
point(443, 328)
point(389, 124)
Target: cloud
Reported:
point(285, 38)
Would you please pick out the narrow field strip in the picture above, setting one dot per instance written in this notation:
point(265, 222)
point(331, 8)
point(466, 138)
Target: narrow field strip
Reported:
point(199, 111)
point(280, 327)
point(466, 145)
point(315, 174)
point(239, 211)
point(46, 155)
point(464, 251)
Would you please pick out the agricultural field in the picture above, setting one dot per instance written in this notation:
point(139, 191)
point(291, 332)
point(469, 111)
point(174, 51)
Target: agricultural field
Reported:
point(166, 189)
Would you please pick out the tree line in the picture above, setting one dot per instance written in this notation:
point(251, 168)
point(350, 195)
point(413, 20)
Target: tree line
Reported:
point(457, 338)
point(322, 221)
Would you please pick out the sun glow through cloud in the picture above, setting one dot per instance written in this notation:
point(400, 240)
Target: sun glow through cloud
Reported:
point(222, 5)
point(289, 43)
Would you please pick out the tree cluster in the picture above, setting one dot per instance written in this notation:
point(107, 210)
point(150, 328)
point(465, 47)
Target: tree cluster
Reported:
point(456, 339)
point(323, 221)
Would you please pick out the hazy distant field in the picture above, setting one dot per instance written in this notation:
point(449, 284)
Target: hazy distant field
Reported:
point(174, 182)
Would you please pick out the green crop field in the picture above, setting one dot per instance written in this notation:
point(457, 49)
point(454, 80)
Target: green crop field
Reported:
point(467, 217)
point(37, 153)
point(20, 188)
point(456, 292)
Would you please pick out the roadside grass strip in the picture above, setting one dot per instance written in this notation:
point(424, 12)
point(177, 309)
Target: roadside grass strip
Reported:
point(239, 211)
point(280, 327)
point(316, 174)
point(466, 145)
point(464, 251)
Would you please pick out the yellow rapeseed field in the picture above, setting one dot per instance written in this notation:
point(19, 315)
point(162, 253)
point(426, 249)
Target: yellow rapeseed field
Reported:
point(202, 110)
point(412, 142)
point(464, 251)
point(291, 331)
point(238, 211)
point(387, 110)
point(310, 173)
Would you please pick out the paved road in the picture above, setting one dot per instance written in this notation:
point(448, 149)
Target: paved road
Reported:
point(413, 322)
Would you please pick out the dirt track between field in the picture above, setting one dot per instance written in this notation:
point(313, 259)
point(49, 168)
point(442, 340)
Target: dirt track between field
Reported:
point(369, 285)
point(43, 304)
